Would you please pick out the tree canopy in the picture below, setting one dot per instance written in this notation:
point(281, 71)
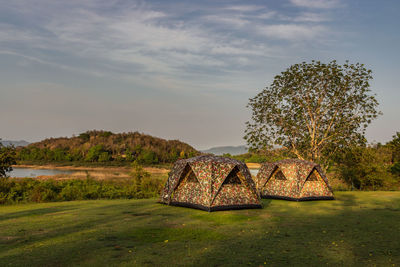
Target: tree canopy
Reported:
point(394, 144)
point(105, 146)
point(313, 109)
point(7, 159)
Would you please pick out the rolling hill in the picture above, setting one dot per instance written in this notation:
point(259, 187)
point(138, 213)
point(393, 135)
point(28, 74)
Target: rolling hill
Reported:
point(104, 146)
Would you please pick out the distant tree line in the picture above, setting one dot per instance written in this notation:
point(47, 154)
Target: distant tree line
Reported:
point(105, 146)
point(261, 156)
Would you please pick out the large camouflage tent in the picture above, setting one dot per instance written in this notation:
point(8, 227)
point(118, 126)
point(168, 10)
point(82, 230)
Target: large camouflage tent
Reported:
point(293, 179)
point(210, 183)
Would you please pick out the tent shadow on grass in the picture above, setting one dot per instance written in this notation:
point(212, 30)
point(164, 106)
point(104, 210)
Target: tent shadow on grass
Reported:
point(357, 229)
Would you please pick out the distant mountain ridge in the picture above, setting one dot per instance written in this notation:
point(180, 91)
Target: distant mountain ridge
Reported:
point(233, 150)
point(14, 143)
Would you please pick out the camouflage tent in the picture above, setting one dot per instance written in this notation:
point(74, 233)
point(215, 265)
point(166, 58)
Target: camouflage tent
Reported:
point(210, 183)
point(293, 179)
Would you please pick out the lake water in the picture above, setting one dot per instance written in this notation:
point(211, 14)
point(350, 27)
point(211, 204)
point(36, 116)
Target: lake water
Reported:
point(32, 173)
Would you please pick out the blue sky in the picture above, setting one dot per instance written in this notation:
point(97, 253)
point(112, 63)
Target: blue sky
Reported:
point(178, 69)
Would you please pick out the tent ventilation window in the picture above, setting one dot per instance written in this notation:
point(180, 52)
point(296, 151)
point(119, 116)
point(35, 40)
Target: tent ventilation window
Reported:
point(312, 177)
point(233, 177)
point(189, 175)
point(192, 177)
point(279, 176)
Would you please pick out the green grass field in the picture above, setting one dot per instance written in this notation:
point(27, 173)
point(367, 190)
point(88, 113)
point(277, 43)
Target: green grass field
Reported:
point(357, 229)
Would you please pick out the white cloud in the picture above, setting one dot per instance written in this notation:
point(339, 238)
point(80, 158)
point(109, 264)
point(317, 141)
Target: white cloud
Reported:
point(266, 15)
point(311, 17)
point(323, 4)
point(292, 32)
point(148, 40)
point(142, 40)
point(244, 8)
point(10, 33)
point(235, 21)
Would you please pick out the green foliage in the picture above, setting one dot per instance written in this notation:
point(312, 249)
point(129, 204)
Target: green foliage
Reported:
point(147, 157)
point(261, 156)
point(138, 173)
point(191, 154)
point(394, 146)
point(256, 158)
point(142, 184)
point(314, 110)
point(104, 157)
point(366, 168)
point(395, 169)
point(106, 134)
point(94, 153)
point(173, 155)
point(34, 190)
point(84, 136)
point(92, 145)
point(249, 157)
point(59, 154)
point(129, 156)
point(7, 159)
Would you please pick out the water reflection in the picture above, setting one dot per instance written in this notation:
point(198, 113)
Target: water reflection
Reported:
point(32, 173)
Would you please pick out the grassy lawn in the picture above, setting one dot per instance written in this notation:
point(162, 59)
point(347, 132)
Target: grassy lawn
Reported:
point(357, 229)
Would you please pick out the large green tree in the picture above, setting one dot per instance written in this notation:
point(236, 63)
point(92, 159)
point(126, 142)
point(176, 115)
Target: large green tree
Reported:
point(313, 109)
point(7, 159)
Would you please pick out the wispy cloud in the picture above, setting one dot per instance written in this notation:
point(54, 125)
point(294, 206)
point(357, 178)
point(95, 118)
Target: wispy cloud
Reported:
point(244, 8)
point(139, 38)
point(231, 20)
point(323, 4)
point(190, 66)
point(311, 17)
point(292, 32)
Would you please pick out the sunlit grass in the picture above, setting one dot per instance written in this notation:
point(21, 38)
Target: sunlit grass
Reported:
point(357, 229)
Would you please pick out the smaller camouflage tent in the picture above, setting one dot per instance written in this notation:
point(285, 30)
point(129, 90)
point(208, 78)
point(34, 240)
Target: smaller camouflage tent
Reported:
point(210, 183)
point(293, 179)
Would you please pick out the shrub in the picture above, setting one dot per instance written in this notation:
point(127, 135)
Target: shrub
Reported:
point(104, 157)
point(140, 185)
point(147, 157)
point(365, 168)
point(395, 169)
